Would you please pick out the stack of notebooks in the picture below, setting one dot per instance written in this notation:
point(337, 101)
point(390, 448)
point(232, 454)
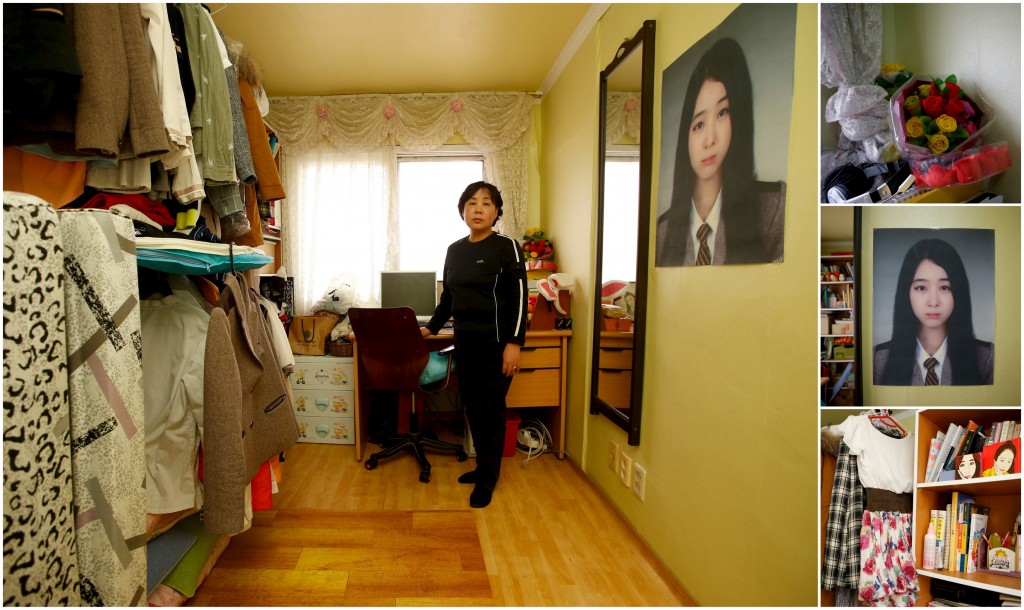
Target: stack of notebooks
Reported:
point(948, 450)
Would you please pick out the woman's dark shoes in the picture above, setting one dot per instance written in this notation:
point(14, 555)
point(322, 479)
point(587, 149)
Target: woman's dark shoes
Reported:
point(480, 497)
point(468, 478)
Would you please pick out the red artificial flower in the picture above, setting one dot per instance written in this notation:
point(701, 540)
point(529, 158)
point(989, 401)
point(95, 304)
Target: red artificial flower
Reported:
point(953, 90)
point(934, 90)
point(956, 108)
point(934, 106)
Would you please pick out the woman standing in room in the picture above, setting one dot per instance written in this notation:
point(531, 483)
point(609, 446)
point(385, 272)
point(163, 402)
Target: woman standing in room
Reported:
point(720, 212)
point(932, 325)
point(485, 292)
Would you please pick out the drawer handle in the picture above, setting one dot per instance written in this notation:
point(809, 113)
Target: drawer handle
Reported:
point(604, 370)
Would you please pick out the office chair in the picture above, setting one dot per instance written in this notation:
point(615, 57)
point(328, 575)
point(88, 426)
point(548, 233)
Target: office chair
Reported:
point(392, 353)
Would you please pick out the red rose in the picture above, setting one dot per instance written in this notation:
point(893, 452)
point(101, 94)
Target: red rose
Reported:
point(934, 106)
point(956, 108)
point(934, 90)
point(953, 90)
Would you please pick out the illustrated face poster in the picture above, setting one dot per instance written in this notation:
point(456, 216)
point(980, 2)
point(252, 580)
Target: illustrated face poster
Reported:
point(725, 122)
point(933, 306)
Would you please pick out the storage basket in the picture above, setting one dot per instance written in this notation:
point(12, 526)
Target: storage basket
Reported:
point(341, 349)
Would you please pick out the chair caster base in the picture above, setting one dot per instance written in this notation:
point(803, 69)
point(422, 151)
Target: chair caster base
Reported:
point(461, 456)
point(424, 476)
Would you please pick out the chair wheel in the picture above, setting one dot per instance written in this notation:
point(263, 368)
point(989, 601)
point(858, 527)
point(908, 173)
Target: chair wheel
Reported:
point(461, 456)
point(371, 463)
point(424, 476)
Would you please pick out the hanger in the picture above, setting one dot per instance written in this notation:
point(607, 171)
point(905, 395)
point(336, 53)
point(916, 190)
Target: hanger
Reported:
point(884, 422)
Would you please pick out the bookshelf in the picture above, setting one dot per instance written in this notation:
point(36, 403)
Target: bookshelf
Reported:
point(1000, 494)
point(837, 326)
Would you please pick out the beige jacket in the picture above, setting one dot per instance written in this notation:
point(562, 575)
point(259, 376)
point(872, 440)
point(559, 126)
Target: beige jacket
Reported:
point(248, 415)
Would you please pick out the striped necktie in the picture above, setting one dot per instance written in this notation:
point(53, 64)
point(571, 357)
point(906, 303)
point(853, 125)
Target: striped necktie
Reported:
point(931, 378)
point(703, 254)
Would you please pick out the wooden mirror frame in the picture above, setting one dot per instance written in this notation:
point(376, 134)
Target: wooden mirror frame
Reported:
point(631, 422)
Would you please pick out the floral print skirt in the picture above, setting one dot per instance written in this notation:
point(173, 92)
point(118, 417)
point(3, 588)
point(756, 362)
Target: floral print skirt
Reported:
point(887, 573)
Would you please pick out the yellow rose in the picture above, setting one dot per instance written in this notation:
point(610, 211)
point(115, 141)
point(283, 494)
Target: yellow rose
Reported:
point(924, 90)
point(913, 105)
point(938, 143)
point(946, 123)
point(915, 129)
point(892, 67)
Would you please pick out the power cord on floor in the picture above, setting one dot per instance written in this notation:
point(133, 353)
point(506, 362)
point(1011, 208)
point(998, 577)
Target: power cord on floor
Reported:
point(533, 440)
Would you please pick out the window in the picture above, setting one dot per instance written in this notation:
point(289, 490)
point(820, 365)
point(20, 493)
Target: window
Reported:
point(621, 185)
point(429, 187)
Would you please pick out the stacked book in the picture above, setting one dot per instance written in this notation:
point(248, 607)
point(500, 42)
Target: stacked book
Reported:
point(971, 447)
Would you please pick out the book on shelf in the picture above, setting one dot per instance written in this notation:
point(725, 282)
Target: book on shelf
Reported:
point(951, 432)
point(933, 452)
point(976, 545)
point(940, 538)
point(960, 507)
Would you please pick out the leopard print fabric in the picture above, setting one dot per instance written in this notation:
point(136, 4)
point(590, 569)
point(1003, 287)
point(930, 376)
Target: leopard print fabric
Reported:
point(104, 345)
point(40, 561)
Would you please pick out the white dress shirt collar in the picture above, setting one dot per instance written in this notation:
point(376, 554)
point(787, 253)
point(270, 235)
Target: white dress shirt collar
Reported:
point(940, 355)
point(713, 219)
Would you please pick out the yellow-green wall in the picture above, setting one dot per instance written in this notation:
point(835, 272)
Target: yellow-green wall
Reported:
point(1006, 223)
point(729, 435)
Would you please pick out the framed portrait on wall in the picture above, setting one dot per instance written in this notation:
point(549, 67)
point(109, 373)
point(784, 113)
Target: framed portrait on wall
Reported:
point(933, 301)
point(725, 122)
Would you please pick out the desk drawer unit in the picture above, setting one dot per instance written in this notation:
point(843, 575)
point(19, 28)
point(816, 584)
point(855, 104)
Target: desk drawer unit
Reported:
point(539, 380)
point(323, 398)
point(324, 403)
point(614, 387)
point(326, 430)
point(323, 373)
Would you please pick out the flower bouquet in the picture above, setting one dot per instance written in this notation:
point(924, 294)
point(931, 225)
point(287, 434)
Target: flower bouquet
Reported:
point(538, 251)
point(936, 124)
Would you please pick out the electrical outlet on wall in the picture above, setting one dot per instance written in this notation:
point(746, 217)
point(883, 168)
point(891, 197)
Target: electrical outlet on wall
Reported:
point(639, 481)
point(625, 469)
point(613, 455)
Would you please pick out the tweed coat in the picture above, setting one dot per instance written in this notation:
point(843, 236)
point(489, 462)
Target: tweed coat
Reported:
point(248, 417)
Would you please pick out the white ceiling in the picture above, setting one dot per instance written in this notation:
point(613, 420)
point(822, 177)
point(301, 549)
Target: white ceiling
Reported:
point(333, 49)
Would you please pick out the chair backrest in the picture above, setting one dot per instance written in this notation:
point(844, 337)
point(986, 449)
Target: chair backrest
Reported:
point(390, 346)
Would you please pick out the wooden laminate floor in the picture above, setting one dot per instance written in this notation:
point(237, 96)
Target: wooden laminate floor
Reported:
point(549, 538)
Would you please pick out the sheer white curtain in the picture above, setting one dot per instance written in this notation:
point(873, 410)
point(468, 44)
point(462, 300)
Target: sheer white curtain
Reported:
point(341, 221)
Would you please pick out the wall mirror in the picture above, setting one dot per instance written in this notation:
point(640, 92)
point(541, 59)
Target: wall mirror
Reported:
point(623, 219)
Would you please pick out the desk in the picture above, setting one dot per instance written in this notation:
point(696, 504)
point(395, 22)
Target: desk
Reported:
point(539, 384)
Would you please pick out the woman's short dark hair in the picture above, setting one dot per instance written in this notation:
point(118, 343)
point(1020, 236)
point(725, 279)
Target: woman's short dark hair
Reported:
point(472, 189)
point(725, 62)
point(960, 348)
point(1013, 449)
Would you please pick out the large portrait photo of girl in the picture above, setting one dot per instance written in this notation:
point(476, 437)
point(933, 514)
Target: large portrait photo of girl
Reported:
point(726, 110)
point(934, 307)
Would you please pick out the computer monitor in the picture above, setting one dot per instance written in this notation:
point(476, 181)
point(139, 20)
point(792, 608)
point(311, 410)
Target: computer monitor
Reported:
point(416, 289)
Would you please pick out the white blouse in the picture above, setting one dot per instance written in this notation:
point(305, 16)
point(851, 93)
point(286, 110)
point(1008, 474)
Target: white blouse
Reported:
point(883, 462)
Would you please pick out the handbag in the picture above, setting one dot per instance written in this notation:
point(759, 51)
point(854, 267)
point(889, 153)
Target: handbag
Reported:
point(308, 335)
point(439, 367)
